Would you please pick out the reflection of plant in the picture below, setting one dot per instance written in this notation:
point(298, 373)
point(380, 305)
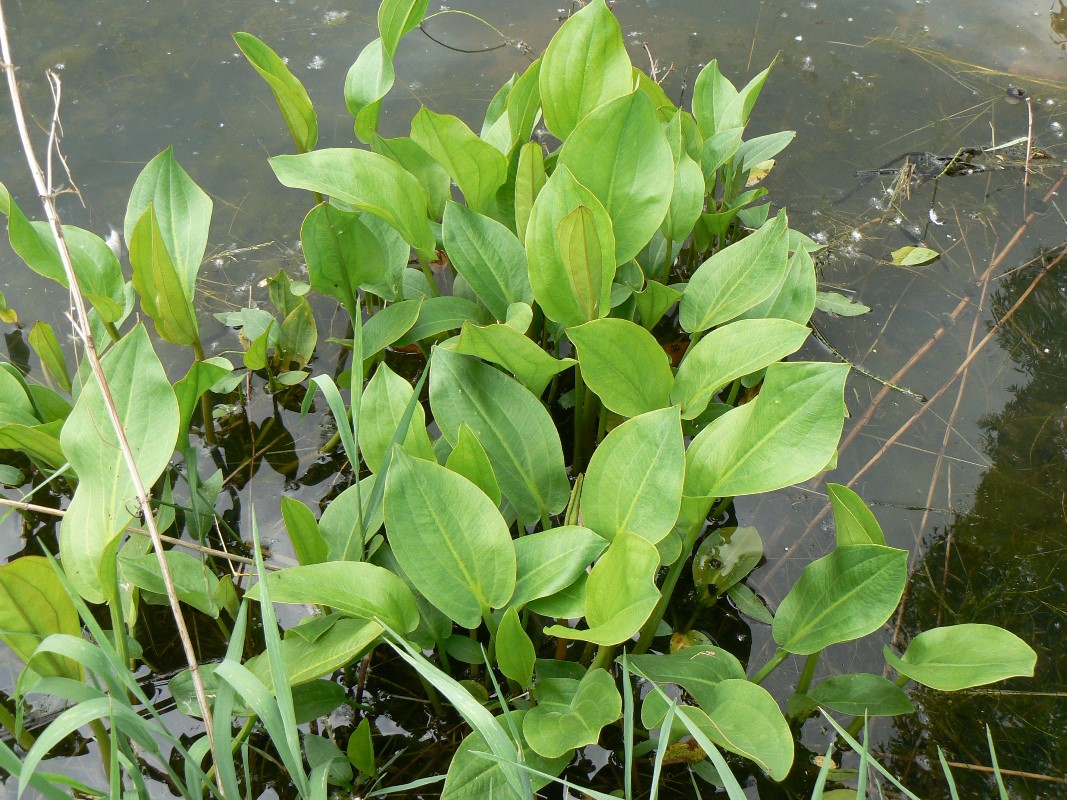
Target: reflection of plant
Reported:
point(482, 539)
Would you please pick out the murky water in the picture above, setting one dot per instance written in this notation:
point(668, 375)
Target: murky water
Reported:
point(975, 488)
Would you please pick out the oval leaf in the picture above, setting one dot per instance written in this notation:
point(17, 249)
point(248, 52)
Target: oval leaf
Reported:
point(843, 596)
point(961, 656)
point(624, 365)
point(354, 587)
point(584, 66)
point(634, 479)
point(449, 538)
point(510, 423)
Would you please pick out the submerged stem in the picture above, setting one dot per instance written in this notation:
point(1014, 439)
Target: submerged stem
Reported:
point(779, 656)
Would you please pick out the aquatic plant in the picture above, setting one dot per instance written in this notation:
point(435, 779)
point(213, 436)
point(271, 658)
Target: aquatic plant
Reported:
point(534, 537)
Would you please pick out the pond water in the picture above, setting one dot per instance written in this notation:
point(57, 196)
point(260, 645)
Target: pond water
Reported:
point(975, 488)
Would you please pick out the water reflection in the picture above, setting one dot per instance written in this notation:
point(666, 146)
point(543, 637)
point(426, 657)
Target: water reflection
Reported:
point(1001, 562)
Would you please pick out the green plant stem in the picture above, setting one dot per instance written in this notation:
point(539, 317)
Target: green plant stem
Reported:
point(425, 265)
point(735, 389)
point(103, 741)
point(667, 260)
point(604, 656)
point(24, 738)
point(205, 401)
point(808, 673)
point(579, 406)
point(112, 331)
point(648, 631)
point(432, 696)
point(779, 656)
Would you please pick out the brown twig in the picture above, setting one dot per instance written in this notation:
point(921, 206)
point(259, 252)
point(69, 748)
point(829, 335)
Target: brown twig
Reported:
point(949, 427)
point(198, 548)
point(83, 331)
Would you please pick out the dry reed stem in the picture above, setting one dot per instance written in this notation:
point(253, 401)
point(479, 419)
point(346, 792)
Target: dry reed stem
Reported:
point(84, 333)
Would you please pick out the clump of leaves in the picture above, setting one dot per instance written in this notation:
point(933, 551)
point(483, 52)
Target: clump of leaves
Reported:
point(534, 299)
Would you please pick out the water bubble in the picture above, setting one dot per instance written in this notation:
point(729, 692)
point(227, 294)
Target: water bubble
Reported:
point(807, 65)
point(856, 236)
point(318, 62)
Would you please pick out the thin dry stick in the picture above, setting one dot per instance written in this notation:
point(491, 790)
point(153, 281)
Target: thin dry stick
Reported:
point(199, 548)
point(82, 329)
point(949, 427)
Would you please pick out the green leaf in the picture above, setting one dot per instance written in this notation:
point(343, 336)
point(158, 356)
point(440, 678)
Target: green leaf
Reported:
point(367, 181)
point(515, 653)
point(346, 640)
point(724, 558)
point(193, 582)
point(357, 588)
point(384, 401)
point(360, 750)
point(743, 718)
point(344, 254)
point(45, 344)
point(422, 165)
point(468, 458)
point(570, 714)
point(100, 509)
point(619, 153)
point(585, 66)
point(620, 593)
point(33, 606)
point(634, 479)
point(763, 148)
point(517, 353)
point(478, 168)
point(510, 423)
point(854, 521)
point(550, 561)
point(911, 256)
point(736, 278)
point(961, 656)
point(449, 538)
point(322, 753)
point(388, 326)
point(843, 596)
point(717, 150)
point(37, 441)
point(17, 406)
point(713, 94)
point(182, 210)
point(624, 364)
point(368, 81)
point(787, 434)
point(339, 524)
point(837, 303)
point(489, 258)
point(696, 669)
point(440, 314)
point(7, 313)
point(749, 604)
point(728, 353)
point(202, 375)
point(794, 298)
point(860, 693)
point(308, 544)
point(288, 91)
point(530, 178)
point(299, 335)
point(654, 302)
point(473, 775)
point(571, 251)
point(397, 17)
point(159, 285)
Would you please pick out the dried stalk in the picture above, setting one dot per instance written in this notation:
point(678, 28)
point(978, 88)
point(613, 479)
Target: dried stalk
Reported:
point(84, 333)
point(33, 508)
